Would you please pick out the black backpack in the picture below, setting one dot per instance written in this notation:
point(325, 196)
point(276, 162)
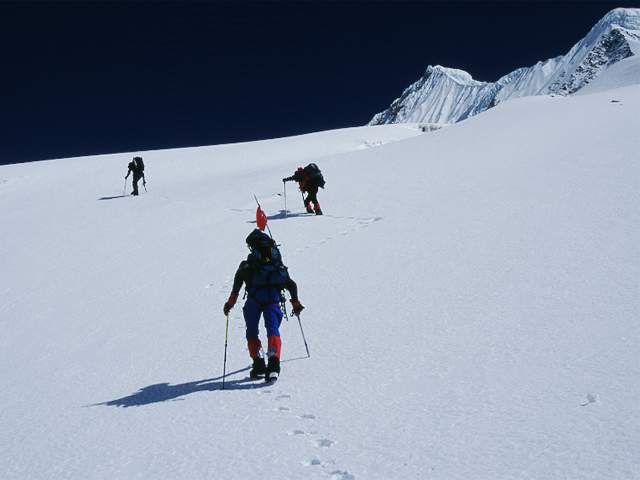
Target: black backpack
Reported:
point(315, 175)
point(139, 163)
point(268, 277)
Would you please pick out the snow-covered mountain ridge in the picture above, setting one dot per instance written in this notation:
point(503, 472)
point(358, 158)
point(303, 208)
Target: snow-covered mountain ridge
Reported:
point(445, 95)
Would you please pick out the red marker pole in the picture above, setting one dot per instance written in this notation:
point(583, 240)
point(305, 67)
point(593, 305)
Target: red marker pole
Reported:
point(261, 218)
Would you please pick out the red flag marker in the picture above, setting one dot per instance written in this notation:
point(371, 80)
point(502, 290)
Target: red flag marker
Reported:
point(261, 219)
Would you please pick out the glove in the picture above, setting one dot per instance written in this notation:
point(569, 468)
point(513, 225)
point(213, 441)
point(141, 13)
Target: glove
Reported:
point(284, 180)
point(230, 303)
point(297, 307)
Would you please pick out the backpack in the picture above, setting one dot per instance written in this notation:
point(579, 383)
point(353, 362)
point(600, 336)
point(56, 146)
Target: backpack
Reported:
point(139, 163)
point(268, 275)
point(314, 174)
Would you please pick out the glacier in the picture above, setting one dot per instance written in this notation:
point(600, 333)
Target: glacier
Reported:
point(446, 95)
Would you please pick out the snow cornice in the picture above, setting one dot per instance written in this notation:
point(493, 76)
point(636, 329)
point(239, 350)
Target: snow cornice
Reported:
point(459, 76)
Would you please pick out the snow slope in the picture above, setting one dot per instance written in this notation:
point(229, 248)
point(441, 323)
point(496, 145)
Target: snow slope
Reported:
point(472, 306)
point(445, 95)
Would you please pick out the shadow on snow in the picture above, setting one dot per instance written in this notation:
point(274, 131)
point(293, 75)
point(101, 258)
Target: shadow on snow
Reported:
point(111, 198)
point(162, 392)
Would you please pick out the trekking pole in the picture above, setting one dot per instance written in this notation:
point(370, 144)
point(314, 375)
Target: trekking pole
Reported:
point(145, 187)
point(303, 337)
point(124, 189)
point(224, 366)
point(285, 198)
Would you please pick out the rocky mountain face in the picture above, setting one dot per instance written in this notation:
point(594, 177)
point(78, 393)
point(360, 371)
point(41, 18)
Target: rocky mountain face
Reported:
point(612, 47)
point(445, 95)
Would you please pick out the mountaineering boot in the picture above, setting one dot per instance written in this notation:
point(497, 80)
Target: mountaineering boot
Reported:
point(309, 209)
point(259, 368)
point(317, 209)
point(273, 370)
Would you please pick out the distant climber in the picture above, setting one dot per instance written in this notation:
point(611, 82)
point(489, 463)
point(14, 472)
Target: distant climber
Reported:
point(265, 277)
point(309, 179)
point(136, 166)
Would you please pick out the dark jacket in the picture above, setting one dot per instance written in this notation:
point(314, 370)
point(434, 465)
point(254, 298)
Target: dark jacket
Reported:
point(304, 181)
point(133, 168)
point(247, 273)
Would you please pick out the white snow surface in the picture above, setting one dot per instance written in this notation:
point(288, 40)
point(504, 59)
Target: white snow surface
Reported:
point(472, 305)
point(436, 98)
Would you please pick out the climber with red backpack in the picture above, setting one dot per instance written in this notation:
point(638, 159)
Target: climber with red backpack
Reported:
point(309, 179)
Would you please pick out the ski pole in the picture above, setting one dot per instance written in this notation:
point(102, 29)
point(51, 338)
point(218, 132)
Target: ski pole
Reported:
point(285, 198)
point(224, 366)
point(303, 337)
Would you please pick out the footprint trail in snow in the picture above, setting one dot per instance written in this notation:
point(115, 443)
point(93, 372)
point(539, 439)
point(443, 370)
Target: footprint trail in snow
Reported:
point(308, 431)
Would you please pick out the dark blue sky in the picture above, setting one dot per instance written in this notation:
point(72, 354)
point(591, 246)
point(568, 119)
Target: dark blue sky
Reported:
point(101, 77)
